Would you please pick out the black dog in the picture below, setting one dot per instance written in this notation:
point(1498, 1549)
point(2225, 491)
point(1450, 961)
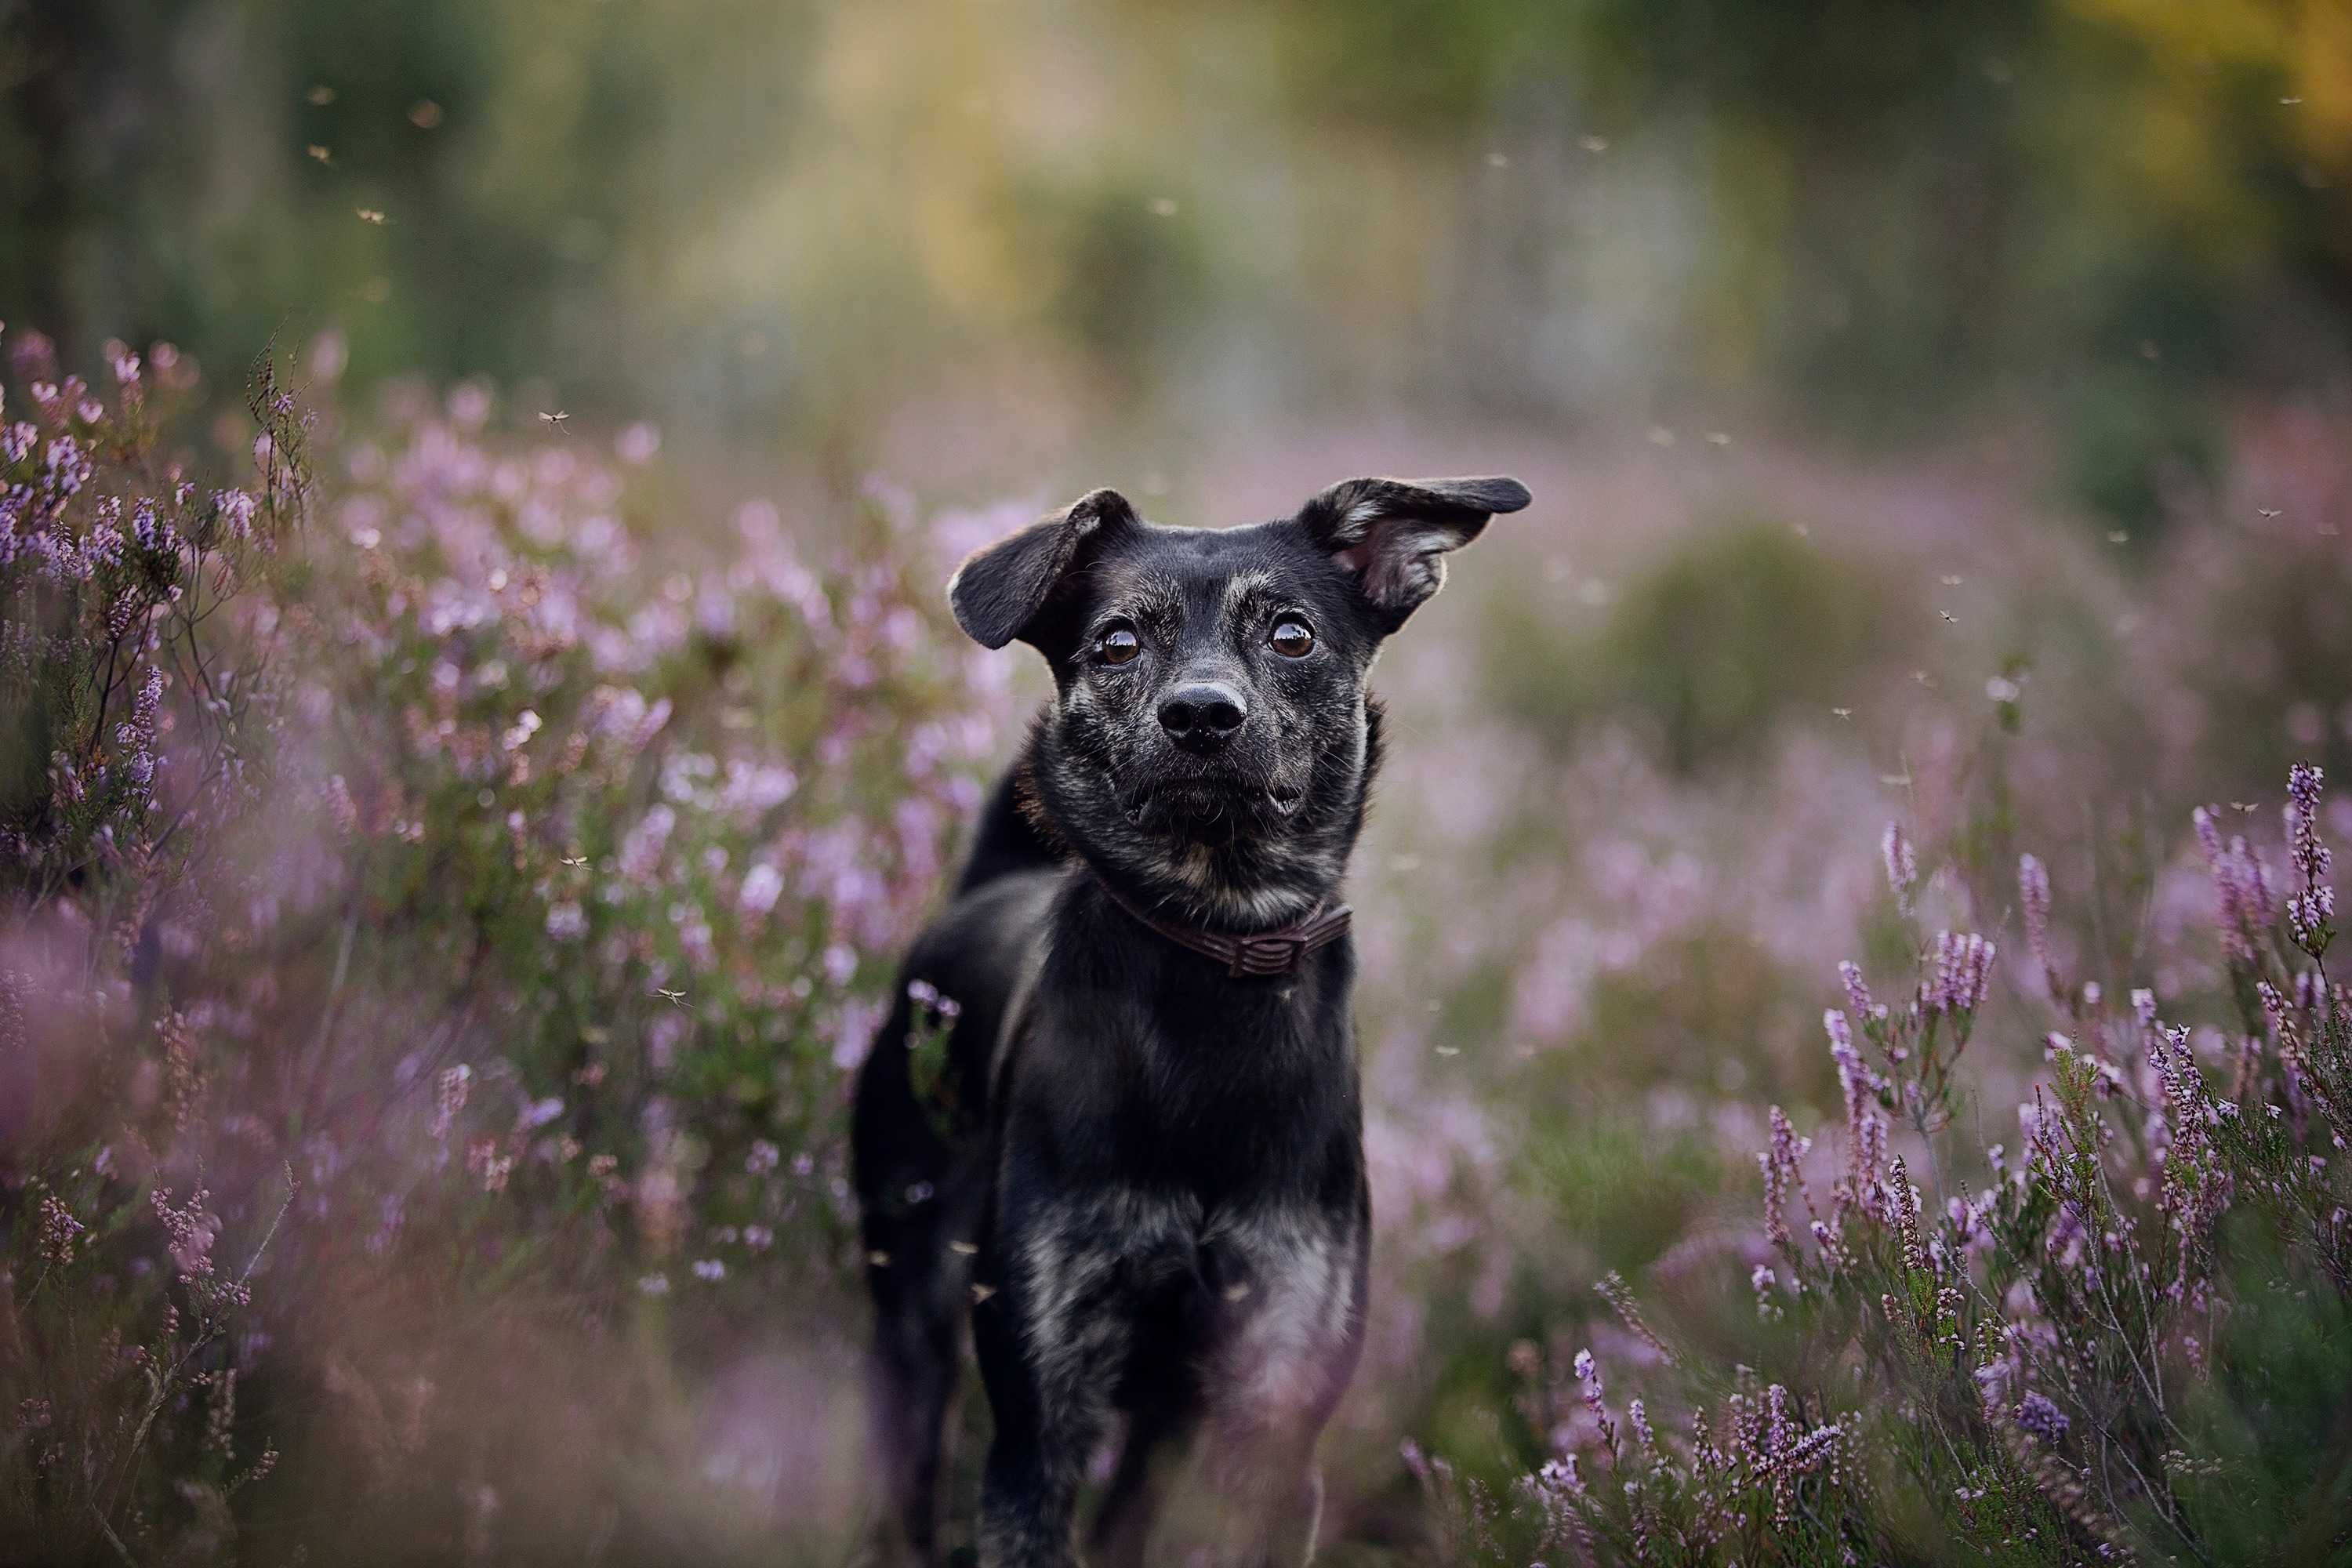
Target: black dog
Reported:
point(1138, 1157)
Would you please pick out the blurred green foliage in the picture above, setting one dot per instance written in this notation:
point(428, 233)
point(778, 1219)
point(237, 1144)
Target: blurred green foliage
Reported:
point(803, 224)
point(2135, 436)
point(461, 188)
point(1734, 629)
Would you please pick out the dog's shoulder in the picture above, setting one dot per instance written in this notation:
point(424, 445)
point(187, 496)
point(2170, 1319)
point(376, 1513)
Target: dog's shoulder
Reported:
point(980, 946)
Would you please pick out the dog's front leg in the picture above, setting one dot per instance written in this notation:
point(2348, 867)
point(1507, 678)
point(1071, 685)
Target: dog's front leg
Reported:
point(1268, 1493)
point(1029, 1494)
point(1046, 1338)
point(1293, 1286)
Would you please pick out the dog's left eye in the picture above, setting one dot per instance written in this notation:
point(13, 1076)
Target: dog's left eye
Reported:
point(1292, 637)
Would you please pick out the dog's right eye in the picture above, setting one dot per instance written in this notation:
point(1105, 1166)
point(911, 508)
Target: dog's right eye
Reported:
point(1117, 645)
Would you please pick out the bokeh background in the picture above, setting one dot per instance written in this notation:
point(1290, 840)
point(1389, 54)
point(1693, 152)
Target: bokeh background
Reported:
point(990, 245)
point(1935, 413)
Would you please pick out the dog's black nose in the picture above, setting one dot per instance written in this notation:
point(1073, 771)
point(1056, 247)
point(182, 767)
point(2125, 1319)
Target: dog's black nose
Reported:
point(1202, 714)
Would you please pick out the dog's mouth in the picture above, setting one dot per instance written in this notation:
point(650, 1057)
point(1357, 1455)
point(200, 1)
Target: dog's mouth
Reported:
point(1209, 800)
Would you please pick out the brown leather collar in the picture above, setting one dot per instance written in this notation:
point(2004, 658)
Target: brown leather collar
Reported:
point(1267, 952)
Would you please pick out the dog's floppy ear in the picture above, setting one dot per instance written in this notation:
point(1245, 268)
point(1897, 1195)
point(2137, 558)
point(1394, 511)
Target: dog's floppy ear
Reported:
point(1391, 536)
point(998, 592)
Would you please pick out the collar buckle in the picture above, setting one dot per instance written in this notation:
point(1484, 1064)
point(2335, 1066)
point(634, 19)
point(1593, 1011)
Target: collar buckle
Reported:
point(1270, 954)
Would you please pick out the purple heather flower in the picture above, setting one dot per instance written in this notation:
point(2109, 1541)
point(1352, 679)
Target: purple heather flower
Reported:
point(1907, 1216)
point(64, 457)
point(2034, 894)
point(1902, 864)
point(104, 547)
point(2310, 990)
point(1865, 1130)
point(2222, 867)
point(1779, 1431)
point(762, 885)
point(1841, 1034)
point(2242, 884)
point(2308, 914)
point(189, 1231)
point(1638, 1417)
point(1587, 1377)
point(2184, 1087)
point(1857, 995)
point(641, 851)
point(2038, 1415)
point(2313, 907)
point(237, 508)
point(32, 354)
point(1967, 1219)
point(2311, 857)
point(1961, 974)
point(449, 1099)
point(2261, 888)
point(152, 532)
point(59, 1230)
point(1779, 1164)
point(1560, 1475)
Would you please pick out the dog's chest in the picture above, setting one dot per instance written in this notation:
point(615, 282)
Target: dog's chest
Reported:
point(1257, 1300)
point(1246, 1120)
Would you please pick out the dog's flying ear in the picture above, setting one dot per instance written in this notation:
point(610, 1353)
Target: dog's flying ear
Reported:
point(1391, 536)
point(998, 592)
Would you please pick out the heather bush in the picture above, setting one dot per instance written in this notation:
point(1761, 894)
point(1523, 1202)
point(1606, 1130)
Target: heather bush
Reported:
point(444, 905)
point(669, 836)
point(136, 740)
point(126, 744)
point(2129, 1341)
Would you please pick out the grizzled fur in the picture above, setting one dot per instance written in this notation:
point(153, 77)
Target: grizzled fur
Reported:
point(1142, 1177)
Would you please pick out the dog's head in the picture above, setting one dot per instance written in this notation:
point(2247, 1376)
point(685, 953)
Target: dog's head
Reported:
point(1210, 743)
